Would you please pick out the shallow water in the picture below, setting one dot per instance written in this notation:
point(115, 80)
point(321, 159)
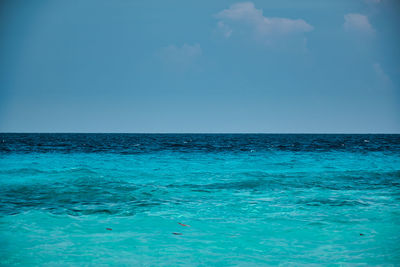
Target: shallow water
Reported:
point(249, 200)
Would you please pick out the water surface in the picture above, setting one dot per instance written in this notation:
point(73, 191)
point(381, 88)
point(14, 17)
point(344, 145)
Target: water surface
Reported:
point(249, 200)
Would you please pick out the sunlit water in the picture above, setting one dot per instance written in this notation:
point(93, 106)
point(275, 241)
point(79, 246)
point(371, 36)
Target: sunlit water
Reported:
point(248, 200)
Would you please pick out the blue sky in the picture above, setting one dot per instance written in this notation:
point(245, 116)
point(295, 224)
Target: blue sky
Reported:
point(274, 66)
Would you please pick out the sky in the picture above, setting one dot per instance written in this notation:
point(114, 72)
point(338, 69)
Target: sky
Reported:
point(272, 66)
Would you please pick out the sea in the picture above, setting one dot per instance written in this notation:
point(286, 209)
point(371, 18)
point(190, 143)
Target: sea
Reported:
point(199, 199)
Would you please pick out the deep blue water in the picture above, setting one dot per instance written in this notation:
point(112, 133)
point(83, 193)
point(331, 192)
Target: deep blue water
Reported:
point(249, 199)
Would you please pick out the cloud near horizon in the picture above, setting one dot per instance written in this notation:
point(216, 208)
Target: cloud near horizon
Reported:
point(358, 23)
point(264, 28)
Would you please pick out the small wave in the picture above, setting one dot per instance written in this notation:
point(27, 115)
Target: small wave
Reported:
point(34, 171)
point(22, 171)
point(332, 202)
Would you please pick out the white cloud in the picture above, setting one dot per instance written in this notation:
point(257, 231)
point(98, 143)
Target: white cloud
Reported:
point(381, 73)
point(246, 14)
point(354, 22)
point(180, 58)
point(373, 1)
point(224, 29)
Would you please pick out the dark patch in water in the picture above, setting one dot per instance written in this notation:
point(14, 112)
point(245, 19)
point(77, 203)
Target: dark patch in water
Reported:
point(78, 197)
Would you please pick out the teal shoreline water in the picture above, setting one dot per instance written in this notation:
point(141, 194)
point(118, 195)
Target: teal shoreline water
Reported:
point(242, 200)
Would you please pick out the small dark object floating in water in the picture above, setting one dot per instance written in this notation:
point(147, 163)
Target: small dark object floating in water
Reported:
point(109, 229)
point(361, 234)
point(183, 224)
point(177, 233)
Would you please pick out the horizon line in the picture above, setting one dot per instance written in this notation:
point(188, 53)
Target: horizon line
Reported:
point(6, 132)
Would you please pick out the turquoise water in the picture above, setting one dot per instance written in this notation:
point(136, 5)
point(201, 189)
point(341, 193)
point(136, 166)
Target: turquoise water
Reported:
point(248, 200)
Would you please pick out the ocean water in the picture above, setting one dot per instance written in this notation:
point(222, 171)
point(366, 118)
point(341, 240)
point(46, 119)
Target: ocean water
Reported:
point(199, 200)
